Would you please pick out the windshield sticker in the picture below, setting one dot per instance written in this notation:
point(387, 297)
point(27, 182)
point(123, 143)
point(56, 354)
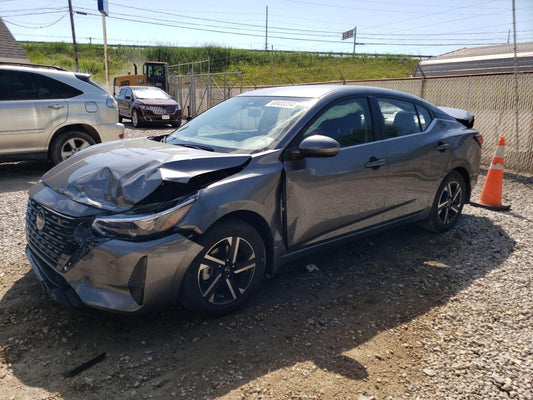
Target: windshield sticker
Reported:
point(282, 104)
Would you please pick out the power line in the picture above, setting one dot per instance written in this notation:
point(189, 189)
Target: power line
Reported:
point(316, 36)
point(306, 34)
point(36, 13)
point(36, 27)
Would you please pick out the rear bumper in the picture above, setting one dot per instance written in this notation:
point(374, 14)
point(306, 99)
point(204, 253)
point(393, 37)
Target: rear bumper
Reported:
point(110, 132)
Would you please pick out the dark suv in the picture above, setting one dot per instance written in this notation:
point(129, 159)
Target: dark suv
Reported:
point(148, 104)
point(50, 113)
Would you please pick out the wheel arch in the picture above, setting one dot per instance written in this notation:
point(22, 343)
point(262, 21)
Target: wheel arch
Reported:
point(85, 128)
point(259, 223)
point(75, 127)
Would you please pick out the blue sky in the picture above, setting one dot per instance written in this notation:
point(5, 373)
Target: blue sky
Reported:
point(417, 27)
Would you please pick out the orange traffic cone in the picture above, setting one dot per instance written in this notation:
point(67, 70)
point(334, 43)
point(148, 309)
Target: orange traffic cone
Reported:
point(491, 194)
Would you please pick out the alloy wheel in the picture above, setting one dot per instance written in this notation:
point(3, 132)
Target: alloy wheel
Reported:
point(72, 146)
point(227, 270)
point(450, 202)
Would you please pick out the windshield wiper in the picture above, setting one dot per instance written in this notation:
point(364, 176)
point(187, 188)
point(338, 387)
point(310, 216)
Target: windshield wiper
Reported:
point(194, 146)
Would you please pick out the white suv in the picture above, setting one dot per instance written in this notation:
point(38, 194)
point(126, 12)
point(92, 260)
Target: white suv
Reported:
point(50, 113)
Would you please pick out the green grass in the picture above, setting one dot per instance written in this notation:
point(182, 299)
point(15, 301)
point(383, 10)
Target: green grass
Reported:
point(258, 67)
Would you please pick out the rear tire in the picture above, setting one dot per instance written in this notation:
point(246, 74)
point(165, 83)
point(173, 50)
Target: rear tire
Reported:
point(69, 143)
point(448, 204)
point(230, 268)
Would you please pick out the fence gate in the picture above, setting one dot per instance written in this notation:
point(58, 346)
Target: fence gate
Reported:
point(199, 92)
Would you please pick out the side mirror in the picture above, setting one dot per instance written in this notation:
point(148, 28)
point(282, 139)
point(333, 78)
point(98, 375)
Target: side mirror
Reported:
point(127, 97)
point(318, 146)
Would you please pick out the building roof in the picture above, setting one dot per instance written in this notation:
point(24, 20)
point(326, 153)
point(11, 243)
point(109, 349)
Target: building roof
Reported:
point(486, 51)
point(10, 51)
point(479, 60)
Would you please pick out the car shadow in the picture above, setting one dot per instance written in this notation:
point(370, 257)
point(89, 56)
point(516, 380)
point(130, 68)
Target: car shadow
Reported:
point(21, 175)
point(319, 314)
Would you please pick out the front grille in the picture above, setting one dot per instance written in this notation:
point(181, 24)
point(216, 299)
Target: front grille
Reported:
point(49, 242)
point(159, 110)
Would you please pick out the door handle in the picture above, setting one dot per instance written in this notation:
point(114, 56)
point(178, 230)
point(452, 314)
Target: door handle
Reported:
point(442, 147)
point(375, 163)
point(56, 106)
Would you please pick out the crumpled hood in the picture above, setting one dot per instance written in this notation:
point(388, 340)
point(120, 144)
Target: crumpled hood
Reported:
point(116, 175)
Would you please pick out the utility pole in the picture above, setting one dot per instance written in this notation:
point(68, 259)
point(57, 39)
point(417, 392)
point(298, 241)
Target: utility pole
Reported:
point(105, 53)
point(516, 98)
point(272, 65)
point(266, 29)
point(73, 35)
point(354, 38)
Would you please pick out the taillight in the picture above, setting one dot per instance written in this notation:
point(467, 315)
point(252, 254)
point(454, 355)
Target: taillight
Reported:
point(111, 102)
point(479, 139)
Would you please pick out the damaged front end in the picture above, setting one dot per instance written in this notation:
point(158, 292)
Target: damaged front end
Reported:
point(103, 229)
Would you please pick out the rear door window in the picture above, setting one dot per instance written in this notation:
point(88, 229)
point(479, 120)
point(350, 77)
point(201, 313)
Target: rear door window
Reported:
point(402, 117)
point(48, 88)
point(424, 116)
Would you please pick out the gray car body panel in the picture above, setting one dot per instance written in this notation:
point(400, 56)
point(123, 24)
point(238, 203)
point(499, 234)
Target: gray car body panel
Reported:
point(304, 203)
point(101, 278)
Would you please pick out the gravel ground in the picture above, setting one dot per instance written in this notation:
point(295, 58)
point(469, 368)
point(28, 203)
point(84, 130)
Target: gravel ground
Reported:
point(402, 315)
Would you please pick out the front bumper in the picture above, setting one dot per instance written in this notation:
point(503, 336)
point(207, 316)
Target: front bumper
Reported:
point(121, 276)
point(148, 115)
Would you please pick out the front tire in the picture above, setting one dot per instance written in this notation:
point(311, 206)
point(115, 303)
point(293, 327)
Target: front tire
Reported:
point(223, 277)
point(69, 143)
point(135, 120)
point(448, 204)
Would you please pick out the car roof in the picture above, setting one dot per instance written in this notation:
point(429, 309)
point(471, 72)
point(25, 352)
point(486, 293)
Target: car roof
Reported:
point(76, 79)
point(41, 69)
point(319, 91)
point(142, 87)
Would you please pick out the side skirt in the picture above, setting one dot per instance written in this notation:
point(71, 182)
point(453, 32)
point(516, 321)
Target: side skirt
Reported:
point(321, 246)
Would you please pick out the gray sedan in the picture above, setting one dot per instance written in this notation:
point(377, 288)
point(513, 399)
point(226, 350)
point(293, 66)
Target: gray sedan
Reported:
point(201, 216)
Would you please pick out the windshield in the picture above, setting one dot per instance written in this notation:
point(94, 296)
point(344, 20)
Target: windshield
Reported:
point(150, 94)
point(242, 124)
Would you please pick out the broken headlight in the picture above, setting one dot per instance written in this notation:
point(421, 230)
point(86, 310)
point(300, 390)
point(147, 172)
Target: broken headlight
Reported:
point(145, 224)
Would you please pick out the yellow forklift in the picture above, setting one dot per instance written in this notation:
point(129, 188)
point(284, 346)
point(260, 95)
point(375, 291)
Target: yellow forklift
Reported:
point(154, 74)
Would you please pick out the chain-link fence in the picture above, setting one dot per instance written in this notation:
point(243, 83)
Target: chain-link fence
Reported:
point(198, 92)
